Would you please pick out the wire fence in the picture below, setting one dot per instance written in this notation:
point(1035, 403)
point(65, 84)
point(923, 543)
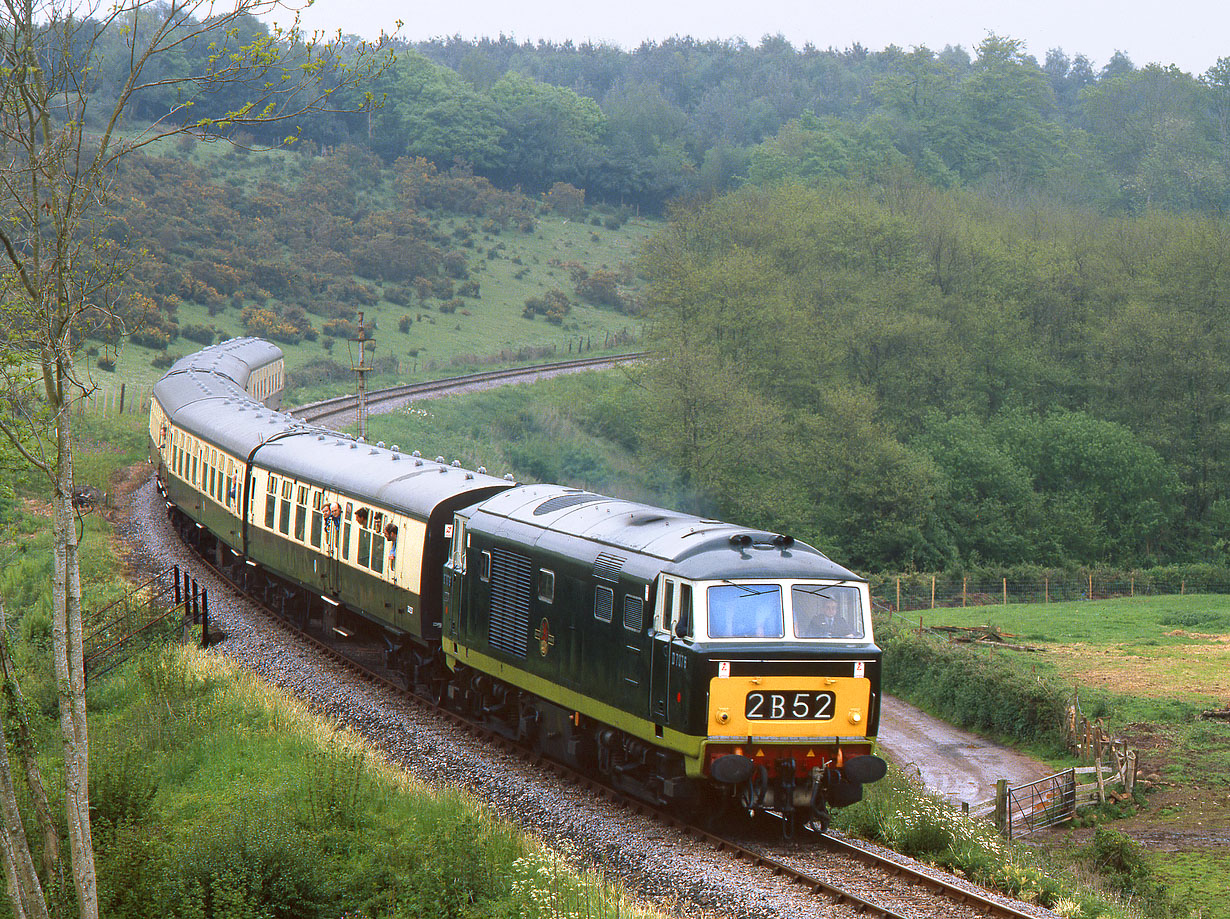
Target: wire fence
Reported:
point(899, 593)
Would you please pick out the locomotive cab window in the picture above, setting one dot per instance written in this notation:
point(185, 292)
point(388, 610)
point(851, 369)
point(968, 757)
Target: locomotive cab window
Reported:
point(664, 620)
point(826, 611)
point(459, 545)
point(683, 624)
point(745, 611)
point(546, 585)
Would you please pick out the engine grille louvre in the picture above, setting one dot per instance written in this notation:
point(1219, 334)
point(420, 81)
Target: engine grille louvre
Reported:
point(560, 502)
point(607, 566)
point(511, 583)
point(634, 613)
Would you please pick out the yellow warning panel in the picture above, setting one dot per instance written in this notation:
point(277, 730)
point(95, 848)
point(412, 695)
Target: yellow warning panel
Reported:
point(786, 706)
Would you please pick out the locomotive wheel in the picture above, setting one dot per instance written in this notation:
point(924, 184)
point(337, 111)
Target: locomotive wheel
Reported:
point(752, 795)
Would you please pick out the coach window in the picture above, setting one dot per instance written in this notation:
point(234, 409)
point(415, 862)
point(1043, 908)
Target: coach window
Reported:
point(604, 603)
point(362, 518)
point(346, 531)
point(301, 513)
point(317, 517)
point(288, 490)
point(231, 491)
point(271, 502)
point(193, 480)
point(546, 585)
point(213, 473)
point(377, 563)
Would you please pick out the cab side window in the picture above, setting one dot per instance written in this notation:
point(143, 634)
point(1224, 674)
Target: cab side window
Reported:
point(546, 585)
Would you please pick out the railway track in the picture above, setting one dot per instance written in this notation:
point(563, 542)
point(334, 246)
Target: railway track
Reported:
point(340, 410)
point(900, 882)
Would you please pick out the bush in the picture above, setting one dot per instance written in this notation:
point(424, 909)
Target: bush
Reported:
point(164, 360)
point(975, 692)
point(554, 305)
point(151, 337)
point(106, 363)
point(202, 334)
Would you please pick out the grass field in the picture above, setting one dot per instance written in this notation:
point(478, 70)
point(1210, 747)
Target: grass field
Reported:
point(1149, 667)
point(1162, 649)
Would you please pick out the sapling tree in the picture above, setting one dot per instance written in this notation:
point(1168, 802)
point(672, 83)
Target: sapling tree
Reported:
point(82, 86)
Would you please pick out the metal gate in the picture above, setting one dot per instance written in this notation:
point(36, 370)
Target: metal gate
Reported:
point(1040, 804)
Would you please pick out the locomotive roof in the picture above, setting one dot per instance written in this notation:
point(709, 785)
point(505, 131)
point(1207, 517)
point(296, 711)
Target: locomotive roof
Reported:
point(214, 407)
point(687, 545)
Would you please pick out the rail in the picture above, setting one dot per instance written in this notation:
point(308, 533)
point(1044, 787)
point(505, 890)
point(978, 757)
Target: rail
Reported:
point(340, 405)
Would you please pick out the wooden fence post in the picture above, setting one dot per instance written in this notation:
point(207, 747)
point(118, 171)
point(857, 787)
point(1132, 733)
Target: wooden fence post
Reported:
point(1090, 585)
point(1005, 591)
point(1001, 806)
point(933, 591)
point(898, 594)
point(964, 590)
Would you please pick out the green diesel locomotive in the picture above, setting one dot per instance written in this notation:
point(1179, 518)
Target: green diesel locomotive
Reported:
point(689, 661)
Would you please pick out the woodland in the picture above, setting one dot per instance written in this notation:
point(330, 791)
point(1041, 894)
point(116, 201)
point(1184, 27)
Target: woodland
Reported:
point(927, 309)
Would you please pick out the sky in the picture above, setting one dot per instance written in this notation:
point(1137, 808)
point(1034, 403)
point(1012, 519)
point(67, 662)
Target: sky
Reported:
point(1192, 34)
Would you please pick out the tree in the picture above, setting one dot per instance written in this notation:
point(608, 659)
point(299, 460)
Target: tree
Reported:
point(73, 77)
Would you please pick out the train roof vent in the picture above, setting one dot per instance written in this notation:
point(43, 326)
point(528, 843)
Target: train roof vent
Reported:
point(607, 566)
point(559, 502)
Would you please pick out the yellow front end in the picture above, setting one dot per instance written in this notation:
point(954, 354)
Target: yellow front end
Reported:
point(788, 707)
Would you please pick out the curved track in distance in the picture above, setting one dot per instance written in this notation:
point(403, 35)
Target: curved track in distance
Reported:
point(340, 410)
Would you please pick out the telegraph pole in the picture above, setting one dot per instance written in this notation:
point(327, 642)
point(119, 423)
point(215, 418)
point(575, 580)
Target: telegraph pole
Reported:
point(361, 369)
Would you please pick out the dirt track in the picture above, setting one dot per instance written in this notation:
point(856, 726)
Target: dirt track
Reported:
point(954, 763)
